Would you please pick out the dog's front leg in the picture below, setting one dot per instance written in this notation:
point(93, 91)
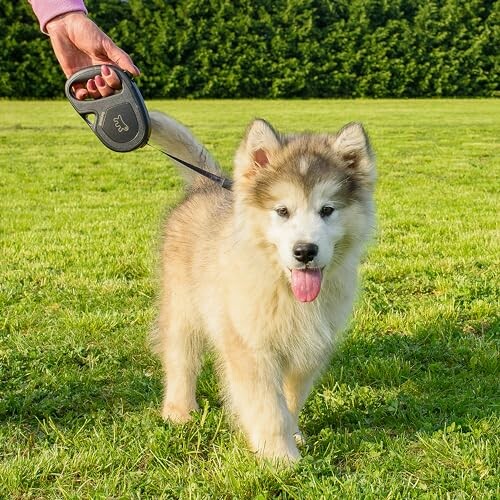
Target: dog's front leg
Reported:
point(180, 355)
point(256, 396)
point(297, 386)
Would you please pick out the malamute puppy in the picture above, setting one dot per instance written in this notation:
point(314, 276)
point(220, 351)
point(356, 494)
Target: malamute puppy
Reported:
point(266, 273)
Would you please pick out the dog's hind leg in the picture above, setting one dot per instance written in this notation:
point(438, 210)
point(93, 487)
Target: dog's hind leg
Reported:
point(180, 351)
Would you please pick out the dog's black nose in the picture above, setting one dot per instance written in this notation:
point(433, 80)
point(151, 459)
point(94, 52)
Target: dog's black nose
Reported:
point(305, 252)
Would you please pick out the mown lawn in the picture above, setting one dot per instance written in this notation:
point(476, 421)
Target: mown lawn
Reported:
point(410, 404)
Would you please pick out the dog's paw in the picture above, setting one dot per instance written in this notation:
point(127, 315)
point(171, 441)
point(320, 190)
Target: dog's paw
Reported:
point(281, 458)
point(284, 453)
point(177, 414)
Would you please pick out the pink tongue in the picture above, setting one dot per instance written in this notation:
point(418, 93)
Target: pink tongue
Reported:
point(306, 284)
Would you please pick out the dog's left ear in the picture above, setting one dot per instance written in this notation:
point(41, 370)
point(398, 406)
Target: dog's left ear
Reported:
point(353, 147)
point(261, 141)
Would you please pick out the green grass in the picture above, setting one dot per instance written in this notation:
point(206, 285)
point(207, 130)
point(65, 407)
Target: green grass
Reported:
point(409, 406)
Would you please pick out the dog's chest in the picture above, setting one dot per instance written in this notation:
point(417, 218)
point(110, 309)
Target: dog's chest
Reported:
point(300, 336)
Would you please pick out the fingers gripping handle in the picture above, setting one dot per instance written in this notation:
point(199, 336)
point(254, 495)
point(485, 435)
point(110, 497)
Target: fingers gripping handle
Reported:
point(121, 120)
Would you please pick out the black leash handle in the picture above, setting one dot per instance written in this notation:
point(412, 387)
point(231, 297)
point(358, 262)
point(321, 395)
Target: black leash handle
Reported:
point(121, 120)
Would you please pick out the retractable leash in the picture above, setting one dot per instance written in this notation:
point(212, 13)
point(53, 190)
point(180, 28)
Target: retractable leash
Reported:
point(121, 120)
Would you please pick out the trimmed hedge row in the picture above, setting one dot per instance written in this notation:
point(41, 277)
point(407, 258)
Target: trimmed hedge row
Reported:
point(279, 48)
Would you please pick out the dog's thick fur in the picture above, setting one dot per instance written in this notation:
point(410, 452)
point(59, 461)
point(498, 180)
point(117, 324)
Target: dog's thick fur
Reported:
point(267, 272)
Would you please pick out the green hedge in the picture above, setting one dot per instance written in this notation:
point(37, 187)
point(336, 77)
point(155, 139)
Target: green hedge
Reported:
point(279, 48)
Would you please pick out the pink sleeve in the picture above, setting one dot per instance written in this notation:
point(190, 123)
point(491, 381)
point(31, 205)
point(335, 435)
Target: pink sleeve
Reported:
point(45, 10)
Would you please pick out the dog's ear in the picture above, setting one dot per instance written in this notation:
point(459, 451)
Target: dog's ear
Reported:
point(261, 141)
point(352, 146)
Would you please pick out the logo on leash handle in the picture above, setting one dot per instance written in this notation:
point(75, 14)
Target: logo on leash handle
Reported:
point(120, 124)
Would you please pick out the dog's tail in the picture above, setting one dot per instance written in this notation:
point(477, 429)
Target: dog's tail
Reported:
point(176, 139)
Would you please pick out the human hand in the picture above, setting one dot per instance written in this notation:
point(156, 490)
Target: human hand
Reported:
point(78, 42)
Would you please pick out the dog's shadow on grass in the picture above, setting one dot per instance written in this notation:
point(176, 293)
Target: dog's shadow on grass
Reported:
point(401, 383)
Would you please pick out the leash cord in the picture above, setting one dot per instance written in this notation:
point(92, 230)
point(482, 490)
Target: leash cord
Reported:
point(222, 181)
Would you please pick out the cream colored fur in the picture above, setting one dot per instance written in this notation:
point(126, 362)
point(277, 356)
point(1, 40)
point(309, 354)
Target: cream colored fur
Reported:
point(224, 285)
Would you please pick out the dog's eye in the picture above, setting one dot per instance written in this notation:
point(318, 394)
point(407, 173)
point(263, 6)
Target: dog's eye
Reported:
point(326, 211)
point(282, 212)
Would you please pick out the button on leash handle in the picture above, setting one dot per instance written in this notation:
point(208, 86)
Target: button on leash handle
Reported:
point(121, 120)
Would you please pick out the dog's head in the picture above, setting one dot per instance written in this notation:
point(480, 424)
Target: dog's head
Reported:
point(307, 197)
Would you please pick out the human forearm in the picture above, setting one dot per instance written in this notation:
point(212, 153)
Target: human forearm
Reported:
point(45, 10)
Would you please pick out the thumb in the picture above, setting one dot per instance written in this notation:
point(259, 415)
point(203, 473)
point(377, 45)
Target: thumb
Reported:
point(120, 57)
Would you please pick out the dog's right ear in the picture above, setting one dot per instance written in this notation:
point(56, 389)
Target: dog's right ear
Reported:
point(256, 150)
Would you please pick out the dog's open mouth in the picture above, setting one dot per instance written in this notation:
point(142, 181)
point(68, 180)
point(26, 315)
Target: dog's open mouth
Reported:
point(306, 283)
